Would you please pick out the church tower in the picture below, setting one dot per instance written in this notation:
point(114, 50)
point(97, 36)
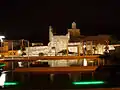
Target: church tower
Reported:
point(74, 32)
point(50, 33)
point(73, 25)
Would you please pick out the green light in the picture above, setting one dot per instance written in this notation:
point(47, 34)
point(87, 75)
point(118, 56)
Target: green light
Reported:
point(10, 83)
point(2, 65)
point(88, 82)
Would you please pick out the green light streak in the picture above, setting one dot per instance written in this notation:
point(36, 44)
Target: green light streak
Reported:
point(88, 82)
point(2, 65)
point(10, 83)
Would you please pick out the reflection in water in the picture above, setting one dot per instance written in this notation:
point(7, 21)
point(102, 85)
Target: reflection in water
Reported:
point(20, 64)
point(57, 63)
point(49, 81)
point(88, 82)
point(2, 79)
point(84, 62)
point(38, 80)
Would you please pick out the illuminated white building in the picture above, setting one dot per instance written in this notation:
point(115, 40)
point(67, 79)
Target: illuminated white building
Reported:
point(34, 51)
point(73, 41)
point(57, 42)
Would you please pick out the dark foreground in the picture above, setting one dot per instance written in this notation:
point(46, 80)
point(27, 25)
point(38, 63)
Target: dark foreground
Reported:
point(38, 81)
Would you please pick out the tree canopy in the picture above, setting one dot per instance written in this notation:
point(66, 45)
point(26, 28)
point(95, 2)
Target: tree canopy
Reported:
point(113, 40)
point(112, 57)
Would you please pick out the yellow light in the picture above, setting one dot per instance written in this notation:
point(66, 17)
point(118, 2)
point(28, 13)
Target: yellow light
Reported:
point(91, 61)
point(84, 46)
point(19, 51)
point(84, 62)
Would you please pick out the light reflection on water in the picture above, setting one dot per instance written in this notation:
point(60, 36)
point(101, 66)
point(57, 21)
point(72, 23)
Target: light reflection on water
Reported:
point(58, 63)
point(48, 81)
point(2, 79)
point(38, 80)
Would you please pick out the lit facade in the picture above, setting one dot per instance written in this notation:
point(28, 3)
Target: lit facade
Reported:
point(74, 42)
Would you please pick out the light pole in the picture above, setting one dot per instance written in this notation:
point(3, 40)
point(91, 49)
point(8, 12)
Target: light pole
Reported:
point(1, 39)
point(28, 44)
point(12, 49)
point(28, 48)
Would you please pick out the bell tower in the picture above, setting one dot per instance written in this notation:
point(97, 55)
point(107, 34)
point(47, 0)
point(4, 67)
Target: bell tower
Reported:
point(74, 32)
point(73, 25)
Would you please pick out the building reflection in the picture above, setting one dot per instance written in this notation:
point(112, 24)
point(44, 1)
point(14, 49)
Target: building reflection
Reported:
point(54, 63)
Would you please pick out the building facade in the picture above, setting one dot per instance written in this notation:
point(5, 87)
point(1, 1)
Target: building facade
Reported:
point(74, 43)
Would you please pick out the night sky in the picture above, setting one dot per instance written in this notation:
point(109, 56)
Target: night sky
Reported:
point(30, 19)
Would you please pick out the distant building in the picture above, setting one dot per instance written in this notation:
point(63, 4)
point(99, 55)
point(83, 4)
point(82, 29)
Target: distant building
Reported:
point(3, 49)
point(9, 48)
point(36, 50)
point(73, 43)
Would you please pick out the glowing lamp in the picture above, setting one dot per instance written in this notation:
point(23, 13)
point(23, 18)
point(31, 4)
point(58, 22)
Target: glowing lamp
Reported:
point(19, 52)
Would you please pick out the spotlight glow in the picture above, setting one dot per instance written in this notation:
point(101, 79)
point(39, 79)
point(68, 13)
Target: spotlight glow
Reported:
point(88, 82)
point(10, 83)
point(2, 65)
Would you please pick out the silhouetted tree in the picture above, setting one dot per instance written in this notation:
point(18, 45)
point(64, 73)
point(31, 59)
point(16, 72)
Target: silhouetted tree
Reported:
point(113, 40)
point(113, 58)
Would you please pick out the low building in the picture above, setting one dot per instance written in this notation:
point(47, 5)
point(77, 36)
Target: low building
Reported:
point(10, 48)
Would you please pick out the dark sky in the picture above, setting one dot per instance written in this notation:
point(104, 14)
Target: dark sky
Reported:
point(30, 19)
